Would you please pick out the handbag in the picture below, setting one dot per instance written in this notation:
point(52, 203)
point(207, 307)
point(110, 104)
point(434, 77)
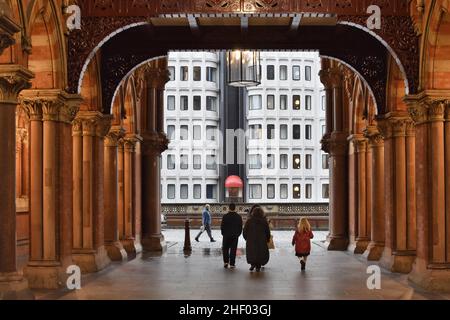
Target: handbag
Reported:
point(271, 244)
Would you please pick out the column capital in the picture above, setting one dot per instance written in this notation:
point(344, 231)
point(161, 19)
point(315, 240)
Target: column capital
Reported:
point(92, 123)
point(155, 143)
point(374, 136)
point(429, 106)
point(326, 143)
point(359, 142)
point(331, 78)
point(8, 28)
point(338, 144)
point(115, 134)
point(13, 79)
point(50, 105)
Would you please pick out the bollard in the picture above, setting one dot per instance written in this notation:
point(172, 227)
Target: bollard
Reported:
point(187, 236)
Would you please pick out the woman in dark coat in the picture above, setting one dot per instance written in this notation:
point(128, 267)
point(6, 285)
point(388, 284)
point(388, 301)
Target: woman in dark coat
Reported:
point(257, 234)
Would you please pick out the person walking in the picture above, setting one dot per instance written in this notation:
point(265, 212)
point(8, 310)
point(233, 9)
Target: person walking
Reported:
point(206, 221)
point(231, 231)
point(302, 241)
point(257, 235)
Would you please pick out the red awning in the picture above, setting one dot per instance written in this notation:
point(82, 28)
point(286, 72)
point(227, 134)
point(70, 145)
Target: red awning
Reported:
point(234, 182)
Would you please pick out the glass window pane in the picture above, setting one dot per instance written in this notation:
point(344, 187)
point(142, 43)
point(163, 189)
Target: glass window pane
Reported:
point(296, 102)
point(171, 191)
point(171, 73)
point(296, 191)
point(270, 102)
point(325, 162)
point(197, 103)
point(184, 73)
point(297, 162)
point(308, 133)
point(184, 103)
point(284, 191)
point(211, 163)
point(309, 191)
point(184, 133)
point(197, 162)
point(184, 162)
point(284, 161)
point(197, 73)
point(308, 161)
point(283, 102)
point(270, 132)
point(211, 103)
point(284, 132)
point(170, 162)
point(255, 102)
point(197, 133)
point(308, 102)
point(308, 73)
point(197, 191)
point(211, 74)
point(270, 161)
point(184, 191)
point(255, 161)
point(171, 103)
point(171, 132)
point(211, 192)
point(296, 73)
point(270, 191)
point(270, 72)
point(255, 191)
point(296, 132)
point(326, 191)
point(283, 73)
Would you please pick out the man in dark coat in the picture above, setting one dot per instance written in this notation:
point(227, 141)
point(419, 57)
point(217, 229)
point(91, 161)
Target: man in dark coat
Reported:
point(257, 234)
point(231, 230)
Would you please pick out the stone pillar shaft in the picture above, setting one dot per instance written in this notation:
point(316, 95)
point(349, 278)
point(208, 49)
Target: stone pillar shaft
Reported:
point(89, 251)
point(377, 232)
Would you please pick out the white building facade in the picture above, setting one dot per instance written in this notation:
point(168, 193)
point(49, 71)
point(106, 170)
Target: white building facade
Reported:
point(189, 171)
point(285, 121)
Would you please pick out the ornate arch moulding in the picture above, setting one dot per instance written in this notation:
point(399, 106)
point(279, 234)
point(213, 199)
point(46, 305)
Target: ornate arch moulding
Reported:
point(103, 19)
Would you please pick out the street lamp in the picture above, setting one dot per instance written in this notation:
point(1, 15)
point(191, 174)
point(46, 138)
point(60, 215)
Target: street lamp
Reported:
point(244, 68)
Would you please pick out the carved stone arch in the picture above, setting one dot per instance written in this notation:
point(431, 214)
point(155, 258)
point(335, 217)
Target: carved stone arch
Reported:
point(130, 104)
point(436, 49)
point(91, 90)
point(47, 59)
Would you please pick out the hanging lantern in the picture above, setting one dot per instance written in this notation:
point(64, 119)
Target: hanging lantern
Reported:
point(244, 68)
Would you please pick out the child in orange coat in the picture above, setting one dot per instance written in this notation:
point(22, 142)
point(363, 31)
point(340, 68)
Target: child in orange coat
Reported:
point(302, 241)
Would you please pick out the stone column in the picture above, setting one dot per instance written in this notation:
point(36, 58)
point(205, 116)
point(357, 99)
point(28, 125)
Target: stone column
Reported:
point(377, 232)
point(114, 247)
point(51, 113)
point(337, 146)
point(430, 111)
point(326, 79)
point(398, 254)
point(361, 238)
point(153, 146)
point(13, 79)
point(89, 251)
point(154, 142)
point(131, 240)
point(121, 178)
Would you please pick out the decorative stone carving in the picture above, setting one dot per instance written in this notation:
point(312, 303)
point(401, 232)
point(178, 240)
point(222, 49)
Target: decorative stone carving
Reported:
point(8, 28)
point(13, 79)
point(373, 134)
point(154, 144)
point(92, 124)
point(50, 105)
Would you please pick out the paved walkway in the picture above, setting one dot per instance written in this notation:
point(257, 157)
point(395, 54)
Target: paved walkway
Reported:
point(200, 276)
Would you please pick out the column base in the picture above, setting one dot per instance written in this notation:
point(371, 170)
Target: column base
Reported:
point(337, 243)
point(359, 246)
point(14, 286)
point(374, 251)
point(431, 279)
point(132, 247)
point(45, 275)
point(116, 251)
point(398, 262)
point(91, 261)
point(154, 243)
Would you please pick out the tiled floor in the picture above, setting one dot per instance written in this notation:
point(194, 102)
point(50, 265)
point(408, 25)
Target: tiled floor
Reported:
point(330, 275)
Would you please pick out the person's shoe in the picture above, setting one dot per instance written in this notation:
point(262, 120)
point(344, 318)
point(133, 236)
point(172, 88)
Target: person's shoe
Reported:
point(258, 269)
point(212, 240)
point(225, 265)
point(252, 268)
point(232, 267)
point(303, 265)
